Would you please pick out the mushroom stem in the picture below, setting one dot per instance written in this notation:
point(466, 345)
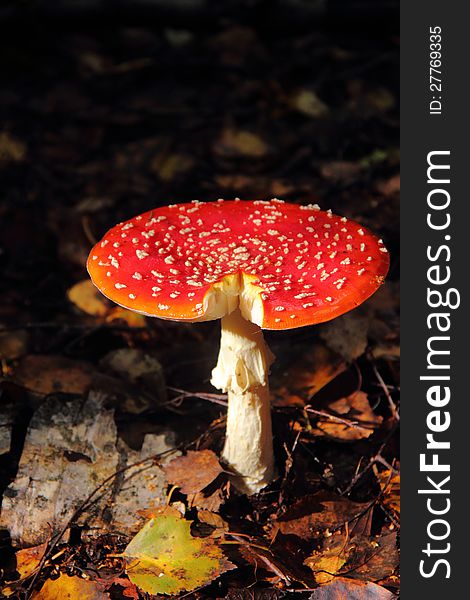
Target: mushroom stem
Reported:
point(242, 372)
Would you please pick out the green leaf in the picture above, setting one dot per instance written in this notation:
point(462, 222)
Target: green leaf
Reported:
point(164, 558)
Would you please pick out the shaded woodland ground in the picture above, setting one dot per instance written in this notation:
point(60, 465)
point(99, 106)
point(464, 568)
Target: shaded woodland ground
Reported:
point(99, 124)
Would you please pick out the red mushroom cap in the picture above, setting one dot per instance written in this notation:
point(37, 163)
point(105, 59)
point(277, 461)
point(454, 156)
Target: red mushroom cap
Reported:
point(285, 265)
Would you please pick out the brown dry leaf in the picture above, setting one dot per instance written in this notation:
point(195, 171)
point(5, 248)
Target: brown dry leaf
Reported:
point(214, 520)
point(51, 374)
point(390, 485)
point(350, 589)
point(194, 471)
point(210, 501)
point(372, 559)
point(340, 171)
point(88, 299)
point(309, 375)
point(316, 513)
point(13, 344)
point(233, 143)
point(354, 408)
point(390, 186)
point(70, 588)
point(129, 589)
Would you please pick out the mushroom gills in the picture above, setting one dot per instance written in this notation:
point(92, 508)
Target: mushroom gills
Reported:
point(232, 291)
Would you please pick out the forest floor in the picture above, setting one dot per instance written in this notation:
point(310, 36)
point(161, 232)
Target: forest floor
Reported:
point(107, 418)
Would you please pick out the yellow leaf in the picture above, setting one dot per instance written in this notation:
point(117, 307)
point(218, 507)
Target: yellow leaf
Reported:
point(308, 103)
point(327, 563)
point(325, 566)
point(163, 558)
point(26, 562)
point(70, 588)
point(12, 150)
point(390, 485)
point(241, 143)
point(88, 299)
point(131, 318)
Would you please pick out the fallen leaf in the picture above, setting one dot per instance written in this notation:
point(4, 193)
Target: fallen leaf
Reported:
point(129, 590)
point(255, 593)
point(314, 514)
point(325, 565)
point(308, 103)
point(51, 374)
point(210, 501)
point(214, 520)
point(178, 37)
point(380, 98)
point(163, 558)
point(390, 186)
point(390, 485)
point(85, 296)
point(235, 143)
point(12, 150)
point(350, 589)
point(194, 471)
point(354, 408)
point(340, 171)
point(327, 561)
point(13, 344)
point(373, 559)
point(131, 318)
point(26, 562)
point(70, 588)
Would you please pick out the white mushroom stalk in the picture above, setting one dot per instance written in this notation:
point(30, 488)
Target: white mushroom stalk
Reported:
point(242, 372)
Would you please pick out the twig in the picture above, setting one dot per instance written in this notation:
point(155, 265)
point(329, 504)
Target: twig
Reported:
point(376, 458)
point(215, 398)
point(347, 422)
point(383, 385)
point(274, 568)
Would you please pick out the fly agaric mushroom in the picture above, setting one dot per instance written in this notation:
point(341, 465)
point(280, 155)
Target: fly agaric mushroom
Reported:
point(255, 265)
